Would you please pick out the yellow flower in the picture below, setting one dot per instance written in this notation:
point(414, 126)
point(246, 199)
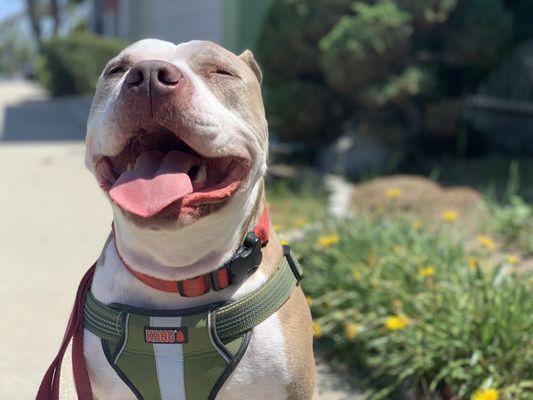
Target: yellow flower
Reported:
point(486, 394)
point(284, 242)
point(512, 259)
point(299, 222)
point(473, 262)
point(393, 193)
point(450, 216)
point(317, 329)
point(328, 240)
point(309, 300)
point(351, 330)
point(486, 242)
point(396, 322)
point(427, 271)
point(356, 275)
point(276, 227)
point(416, 225)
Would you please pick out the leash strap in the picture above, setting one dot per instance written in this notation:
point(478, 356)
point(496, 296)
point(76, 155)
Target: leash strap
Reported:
point(49, 388)
point(232, 319)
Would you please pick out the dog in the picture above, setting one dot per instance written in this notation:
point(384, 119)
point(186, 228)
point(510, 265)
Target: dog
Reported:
point(188, 122)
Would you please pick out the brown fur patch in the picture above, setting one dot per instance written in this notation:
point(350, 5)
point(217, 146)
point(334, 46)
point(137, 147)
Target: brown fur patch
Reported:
point(297, 325)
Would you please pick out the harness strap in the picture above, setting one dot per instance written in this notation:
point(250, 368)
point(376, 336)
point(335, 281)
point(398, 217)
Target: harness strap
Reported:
point(232, 319)
point(240, 316)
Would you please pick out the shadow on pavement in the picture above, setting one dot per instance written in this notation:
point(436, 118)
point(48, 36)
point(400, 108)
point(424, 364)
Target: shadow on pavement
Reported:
point(61, 119)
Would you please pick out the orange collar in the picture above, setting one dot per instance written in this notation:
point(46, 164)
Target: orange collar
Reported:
point(222, 277)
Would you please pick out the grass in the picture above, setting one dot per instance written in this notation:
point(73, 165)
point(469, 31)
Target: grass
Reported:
point(412, 309)
point(294, 204)
point(418, 310)
point(513, 223)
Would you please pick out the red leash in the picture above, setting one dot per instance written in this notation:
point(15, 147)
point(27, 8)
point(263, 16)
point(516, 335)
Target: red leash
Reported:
point(49, 389)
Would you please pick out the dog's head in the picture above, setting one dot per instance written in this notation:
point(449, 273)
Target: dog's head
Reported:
point(177, 133)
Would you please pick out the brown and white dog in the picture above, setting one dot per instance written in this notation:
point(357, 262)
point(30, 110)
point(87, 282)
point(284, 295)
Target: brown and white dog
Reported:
point(154, 99)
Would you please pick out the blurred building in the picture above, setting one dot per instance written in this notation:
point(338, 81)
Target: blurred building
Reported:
point(234, 24)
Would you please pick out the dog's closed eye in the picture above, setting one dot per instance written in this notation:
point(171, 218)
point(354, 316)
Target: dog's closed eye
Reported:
point(221, 71)
point(115, 69)
point(224, 72)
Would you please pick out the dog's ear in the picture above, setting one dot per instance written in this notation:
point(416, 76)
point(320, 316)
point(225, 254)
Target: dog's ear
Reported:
point(248, 57)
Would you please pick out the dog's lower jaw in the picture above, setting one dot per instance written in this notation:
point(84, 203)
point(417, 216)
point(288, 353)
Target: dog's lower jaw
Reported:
point(177, 254)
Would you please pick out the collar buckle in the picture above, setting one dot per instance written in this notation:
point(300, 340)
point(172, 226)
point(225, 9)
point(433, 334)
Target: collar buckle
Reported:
point(246, 259)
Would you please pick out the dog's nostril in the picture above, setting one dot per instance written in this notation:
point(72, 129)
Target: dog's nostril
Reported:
point(135, 77)
point(168, 76)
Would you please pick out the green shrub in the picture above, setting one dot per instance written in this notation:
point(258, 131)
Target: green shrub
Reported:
point(369, 59)
point(513, 222)
point(305, 119)
point(72, 65)
point(300, 106)
point(363, 47)
point(411, 309)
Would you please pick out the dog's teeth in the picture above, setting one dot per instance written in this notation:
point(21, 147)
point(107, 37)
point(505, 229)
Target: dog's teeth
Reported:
point(130, 166)
point(201, 175)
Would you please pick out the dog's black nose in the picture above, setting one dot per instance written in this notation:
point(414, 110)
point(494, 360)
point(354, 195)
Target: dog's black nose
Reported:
point(153, 77)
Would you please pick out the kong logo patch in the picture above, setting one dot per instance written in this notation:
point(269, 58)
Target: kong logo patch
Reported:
point(166, 335)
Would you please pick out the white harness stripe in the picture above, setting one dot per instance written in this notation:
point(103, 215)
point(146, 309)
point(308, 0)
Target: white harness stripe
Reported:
point(169, 362)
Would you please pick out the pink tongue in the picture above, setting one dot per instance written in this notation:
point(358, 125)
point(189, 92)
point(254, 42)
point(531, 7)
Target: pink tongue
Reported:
point(156, 181)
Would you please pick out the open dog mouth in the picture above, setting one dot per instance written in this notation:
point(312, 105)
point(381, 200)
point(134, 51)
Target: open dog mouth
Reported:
point(157, 171)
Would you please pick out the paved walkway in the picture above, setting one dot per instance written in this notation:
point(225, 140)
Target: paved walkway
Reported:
point(27, 114)
point(54, 222)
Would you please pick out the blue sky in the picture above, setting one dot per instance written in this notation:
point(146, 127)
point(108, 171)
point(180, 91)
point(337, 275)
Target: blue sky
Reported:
point(10, 7)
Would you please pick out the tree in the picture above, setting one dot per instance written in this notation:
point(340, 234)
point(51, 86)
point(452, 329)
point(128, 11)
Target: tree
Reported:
point(39, 10)
point(34, 16)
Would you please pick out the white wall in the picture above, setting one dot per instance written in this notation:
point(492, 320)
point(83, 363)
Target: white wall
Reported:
point(173, 20)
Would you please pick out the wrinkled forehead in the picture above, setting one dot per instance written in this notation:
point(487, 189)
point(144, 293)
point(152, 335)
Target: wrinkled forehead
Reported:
point(191, 53)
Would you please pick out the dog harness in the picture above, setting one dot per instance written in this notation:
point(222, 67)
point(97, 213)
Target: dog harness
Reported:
point(175, 354)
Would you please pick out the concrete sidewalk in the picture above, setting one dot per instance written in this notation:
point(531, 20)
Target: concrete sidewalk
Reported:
point(53, 224)
point(28, 114)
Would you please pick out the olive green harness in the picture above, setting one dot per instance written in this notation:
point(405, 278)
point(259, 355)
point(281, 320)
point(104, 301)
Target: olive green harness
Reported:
point(185, 354)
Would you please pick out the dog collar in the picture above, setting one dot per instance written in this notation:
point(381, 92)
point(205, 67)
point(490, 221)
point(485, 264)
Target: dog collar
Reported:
point(245, 260)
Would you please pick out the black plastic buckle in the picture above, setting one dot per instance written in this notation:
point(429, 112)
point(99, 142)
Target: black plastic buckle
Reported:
point(295, 267)
point(246, 259)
